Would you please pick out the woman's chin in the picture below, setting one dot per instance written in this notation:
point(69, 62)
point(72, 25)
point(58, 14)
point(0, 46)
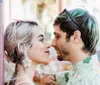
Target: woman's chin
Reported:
point(44, 62)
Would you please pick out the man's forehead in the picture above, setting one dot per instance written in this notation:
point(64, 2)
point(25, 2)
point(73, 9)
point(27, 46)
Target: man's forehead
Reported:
point(57, 30)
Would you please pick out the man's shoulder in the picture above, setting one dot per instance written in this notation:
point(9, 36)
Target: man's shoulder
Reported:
point(64, 78)
point(85, 81)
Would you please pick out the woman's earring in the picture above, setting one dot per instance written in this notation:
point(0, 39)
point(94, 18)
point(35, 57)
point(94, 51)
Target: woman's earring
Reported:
point(26, 61)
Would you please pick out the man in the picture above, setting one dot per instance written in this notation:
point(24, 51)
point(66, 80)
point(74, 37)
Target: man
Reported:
point(76, 36)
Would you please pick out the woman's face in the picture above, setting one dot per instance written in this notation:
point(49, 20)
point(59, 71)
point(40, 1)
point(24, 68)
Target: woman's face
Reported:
point(39, 52)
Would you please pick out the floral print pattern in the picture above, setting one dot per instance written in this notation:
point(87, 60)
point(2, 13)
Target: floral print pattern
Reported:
point(85, 72)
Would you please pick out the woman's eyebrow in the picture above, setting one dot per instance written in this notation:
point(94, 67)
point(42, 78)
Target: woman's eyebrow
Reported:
point(41, 35)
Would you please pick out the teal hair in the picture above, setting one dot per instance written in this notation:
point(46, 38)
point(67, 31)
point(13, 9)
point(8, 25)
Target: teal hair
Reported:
point(79, 19)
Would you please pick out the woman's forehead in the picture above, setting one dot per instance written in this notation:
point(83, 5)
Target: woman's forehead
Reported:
point(37, 31)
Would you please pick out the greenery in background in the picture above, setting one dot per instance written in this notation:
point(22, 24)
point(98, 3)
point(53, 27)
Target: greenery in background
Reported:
point(23, 1)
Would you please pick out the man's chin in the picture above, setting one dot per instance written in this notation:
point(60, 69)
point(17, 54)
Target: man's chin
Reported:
point(60, 58)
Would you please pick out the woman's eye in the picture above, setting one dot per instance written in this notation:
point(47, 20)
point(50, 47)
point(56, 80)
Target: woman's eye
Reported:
point(42, 40)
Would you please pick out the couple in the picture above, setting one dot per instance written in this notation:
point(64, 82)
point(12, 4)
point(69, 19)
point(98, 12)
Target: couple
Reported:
point(76, 36)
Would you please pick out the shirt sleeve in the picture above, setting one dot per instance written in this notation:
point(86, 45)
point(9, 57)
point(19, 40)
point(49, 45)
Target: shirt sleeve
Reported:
point(85, 81)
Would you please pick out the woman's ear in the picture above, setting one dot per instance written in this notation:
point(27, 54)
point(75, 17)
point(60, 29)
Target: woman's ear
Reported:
point(21, 47)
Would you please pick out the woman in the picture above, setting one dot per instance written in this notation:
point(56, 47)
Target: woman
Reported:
point(24, 45)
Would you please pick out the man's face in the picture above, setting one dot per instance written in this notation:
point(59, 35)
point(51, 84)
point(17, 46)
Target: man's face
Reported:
point(61, 44)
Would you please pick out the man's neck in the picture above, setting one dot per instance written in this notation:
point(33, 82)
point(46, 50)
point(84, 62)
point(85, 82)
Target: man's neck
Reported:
point(79, 56)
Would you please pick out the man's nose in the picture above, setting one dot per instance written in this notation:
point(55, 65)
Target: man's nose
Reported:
point(53, 44)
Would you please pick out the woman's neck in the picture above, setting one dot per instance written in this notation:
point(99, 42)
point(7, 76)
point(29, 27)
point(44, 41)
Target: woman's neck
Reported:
point(29, 71)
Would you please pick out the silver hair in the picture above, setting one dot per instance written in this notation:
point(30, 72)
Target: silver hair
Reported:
point(17, 34)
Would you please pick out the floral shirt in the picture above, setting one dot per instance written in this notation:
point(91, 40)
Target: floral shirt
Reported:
point(85, 72)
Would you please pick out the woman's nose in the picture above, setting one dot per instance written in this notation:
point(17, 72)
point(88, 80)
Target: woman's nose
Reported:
point(48, 44)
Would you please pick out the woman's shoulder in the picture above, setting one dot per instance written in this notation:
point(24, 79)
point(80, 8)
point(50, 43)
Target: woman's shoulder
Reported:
point(25, 83)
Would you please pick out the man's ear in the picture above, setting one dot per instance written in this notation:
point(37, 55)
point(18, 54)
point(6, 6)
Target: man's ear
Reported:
point(76, 37)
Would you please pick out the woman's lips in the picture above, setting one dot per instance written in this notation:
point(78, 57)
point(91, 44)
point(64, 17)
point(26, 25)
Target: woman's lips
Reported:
point(47, 52)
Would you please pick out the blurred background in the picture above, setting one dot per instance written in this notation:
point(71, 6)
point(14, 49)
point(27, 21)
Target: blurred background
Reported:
point(45, 11)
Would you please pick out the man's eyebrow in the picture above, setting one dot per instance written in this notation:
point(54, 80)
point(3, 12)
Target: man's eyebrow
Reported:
point(41, 35)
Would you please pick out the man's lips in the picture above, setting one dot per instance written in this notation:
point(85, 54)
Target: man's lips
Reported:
point(58, 52)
